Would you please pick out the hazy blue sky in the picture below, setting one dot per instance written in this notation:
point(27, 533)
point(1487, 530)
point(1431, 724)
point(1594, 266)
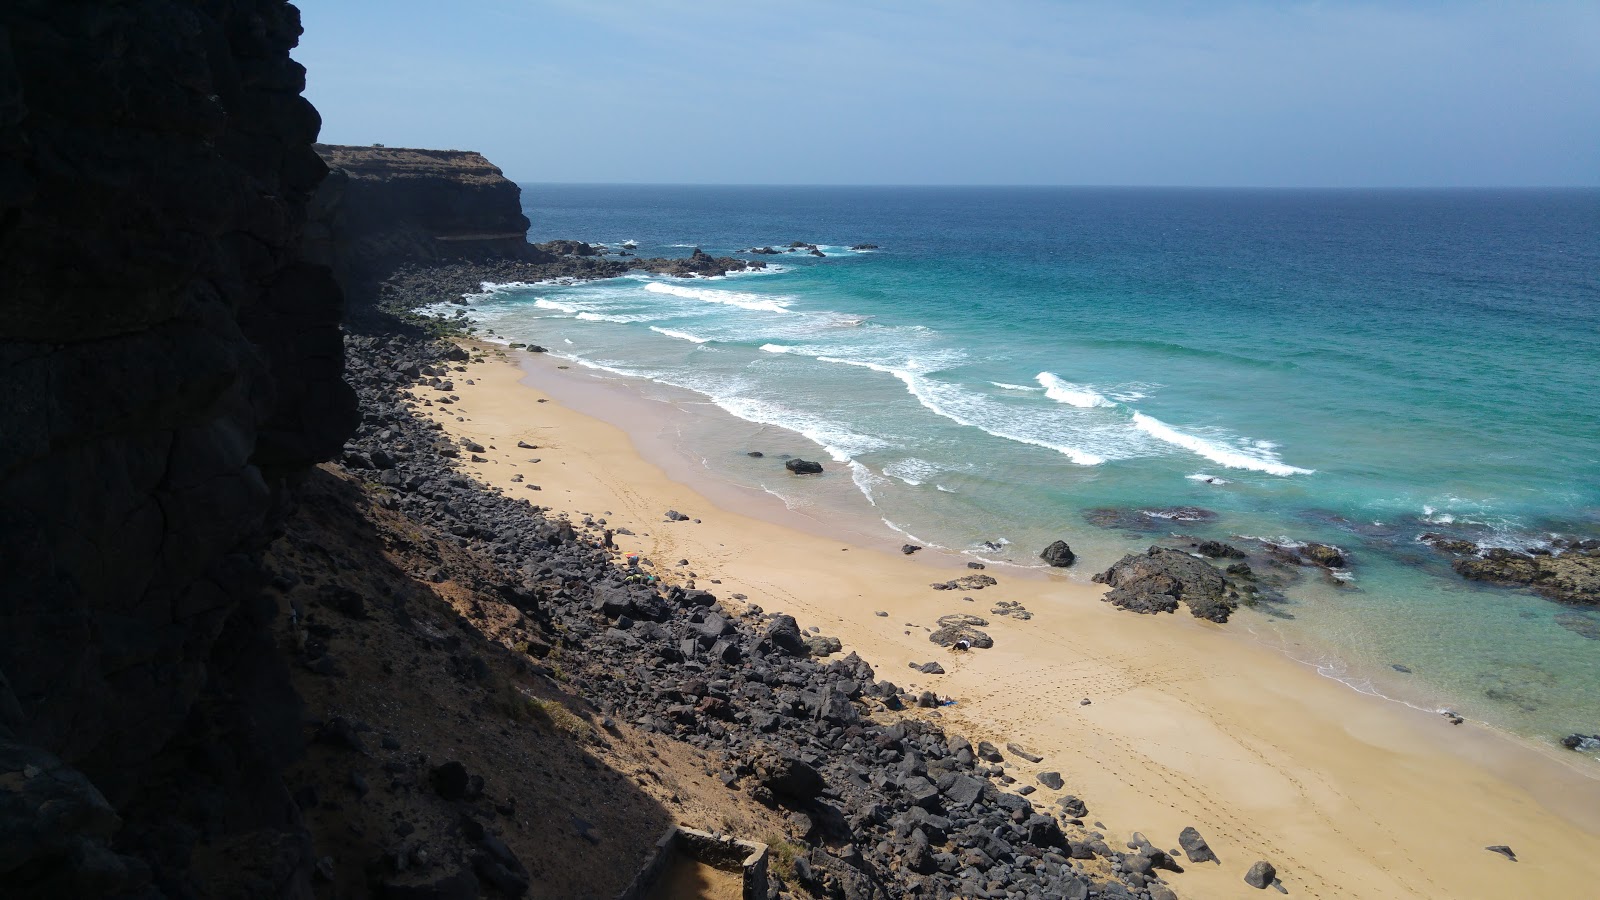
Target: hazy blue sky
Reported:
point(990, 92)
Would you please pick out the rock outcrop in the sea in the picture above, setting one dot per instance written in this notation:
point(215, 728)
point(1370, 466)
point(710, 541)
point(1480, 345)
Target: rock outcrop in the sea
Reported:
point(1146, 519)
point(1158, 579)
point(169, 363)
point(698, 263)
point(1568, 571)
point(383, 207)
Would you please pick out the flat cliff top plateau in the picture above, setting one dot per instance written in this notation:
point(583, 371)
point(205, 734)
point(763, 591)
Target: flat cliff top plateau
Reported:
point(398, 163)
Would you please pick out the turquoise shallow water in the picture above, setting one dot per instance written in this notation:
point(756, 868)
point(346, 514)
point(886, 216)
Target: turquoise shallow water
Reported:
point(1344, 366)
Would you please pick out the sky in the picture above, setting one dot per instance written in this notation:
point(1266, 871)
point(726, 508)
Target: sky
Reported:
point(1450, 93)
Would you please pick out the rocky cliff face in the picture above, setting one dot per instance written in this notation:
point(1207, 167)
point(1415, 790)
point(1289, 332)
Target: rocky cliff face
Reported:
point(168, 363)
point(385, 206)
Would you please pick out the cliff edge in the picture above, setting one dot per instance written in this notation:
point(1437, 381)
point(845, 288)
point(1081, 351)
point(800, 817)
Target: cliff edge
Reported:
point(382, 207)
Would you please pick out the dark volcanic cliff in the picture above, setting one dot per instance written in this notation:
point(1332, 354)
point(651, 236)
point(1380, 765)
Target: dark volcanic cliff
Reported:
point(385, 206)
point(168, 363)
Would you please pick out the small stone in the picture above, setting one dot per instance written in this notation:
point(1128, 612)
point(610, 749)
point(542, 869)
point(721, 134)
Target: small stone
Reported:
point(1260, 875)
point(1503, 850)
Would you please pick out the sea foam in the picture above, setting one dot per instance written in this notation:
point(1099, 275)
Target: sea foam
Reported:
point(1217, 453)
point(1071, 394)
point(741, 299)
point(680, 335)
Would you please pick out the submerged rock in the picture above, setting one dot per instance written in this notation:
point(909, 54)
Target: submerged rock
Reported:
point(1157, 580)
point(1581, 624)
point(1148, 519)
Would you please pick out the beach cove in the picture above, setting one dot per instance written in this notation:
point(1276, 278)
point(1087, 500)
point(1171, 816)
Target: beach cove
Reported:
point(1348, 795)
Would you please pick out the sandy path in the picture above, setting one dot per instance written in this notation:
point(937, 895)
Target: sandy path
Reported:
point(1189, 724)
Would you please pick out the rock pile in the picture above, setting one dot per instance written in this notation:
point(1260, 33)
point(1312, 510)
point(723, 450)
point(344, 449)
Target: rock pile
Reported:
point(891, 803)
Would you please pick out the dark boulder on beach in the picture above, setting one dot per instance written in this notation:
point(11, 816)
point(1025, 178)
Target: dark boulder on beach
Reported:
point(1195, 847)
point(1058, 554)
point(1260, 875)
point(803, 467)
point(909, 549)
point(784, 633)
point(955, 628)
point(1158, 579)
point(1583, 743)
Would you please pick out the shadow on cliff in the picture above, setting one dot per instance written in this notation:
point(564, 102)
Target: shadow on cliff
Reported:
point(443, 754)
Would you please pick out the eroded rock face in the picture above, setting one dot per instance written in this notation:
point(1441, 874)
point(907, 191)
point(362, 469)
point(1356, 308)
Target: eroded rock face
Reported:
point(385, 206)
point(168, 361)
point(1158, 579)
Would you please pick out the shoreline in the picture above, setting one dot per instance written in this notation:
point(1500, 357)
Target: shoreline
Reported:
point(1266, 756)
point(650, 415)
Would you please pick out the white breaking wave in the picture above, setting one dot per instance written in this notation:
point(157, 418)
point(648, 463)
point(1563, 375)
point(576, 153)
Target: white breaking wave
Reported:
point(972, 410)
point(865, 480)
point(1015, 387)
point(1261, 460)
point(1067, 392)
point(621, 320)
point(545, 303)
point(912, 471)
point(741, 299)
point(680, 335)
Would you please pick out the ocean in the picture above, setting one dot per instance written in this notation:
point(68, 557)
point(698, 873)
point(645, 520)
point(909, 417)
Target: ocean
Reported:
point(1011, 366)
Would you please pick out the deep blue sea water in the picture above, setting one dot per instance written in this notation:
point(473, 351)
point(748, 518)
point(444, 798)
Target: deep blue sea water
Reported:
point(1353, 367)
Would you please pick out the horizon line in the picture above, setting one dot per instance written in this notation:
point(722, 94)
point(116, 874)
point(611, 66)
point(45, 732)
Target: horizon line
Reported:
point(1183, 187)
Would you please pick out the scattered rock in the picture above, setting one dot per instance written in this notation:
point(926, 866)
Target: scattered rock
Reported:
point(1051, 780)
point(909, 549)
point(1583, 743)
point(1195, 847)
point(1503, 850)
point(1260, 875)
point(966, 583)
point(1030, 756)
point(803, 467)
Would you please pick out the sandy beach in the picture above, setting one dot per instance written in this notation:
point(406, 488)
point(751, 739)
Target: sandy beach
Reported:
point(1187, 723)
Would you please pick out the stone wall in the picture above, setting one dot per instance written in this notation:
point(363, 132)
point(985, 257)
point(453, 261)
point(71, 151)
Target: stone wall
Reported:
point(168, 363)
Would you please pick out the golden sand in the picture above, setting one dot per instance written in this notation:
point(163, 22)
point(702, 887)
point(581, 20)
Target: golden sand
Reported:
point(1188, 723)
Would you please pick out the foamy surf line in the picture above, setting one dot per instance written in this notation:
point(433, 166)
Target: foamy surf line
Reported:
point(680, 335)
point(1222, 456)
point(1071, 394)
point(741, 299)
